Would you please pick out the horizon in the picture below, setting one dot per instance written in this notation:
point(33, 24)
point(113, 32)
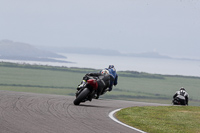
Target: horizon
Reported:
point(150, 63)
point(83, 50)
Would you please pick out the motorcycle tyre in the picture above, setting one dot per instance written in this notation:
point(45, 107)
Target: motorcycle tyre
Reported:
point(81, 96)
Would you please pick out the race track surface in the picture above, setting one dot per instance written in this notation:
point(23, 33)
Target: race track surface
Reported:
point(41, 113)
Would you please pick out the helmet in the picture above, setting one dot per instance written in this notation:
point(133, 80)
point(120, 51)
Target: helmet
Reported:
point(104, 72)
point(182, 88)
point(110, 66)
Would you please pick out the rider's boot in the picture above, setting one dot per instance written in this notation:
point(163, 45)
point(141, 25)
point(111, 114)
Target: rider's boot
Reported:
point(81, 85)
point(97, 97)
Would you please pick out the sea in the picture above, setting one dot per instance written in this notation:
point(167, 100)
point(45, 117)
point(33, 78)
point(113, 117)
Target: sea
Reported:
point(124, 63)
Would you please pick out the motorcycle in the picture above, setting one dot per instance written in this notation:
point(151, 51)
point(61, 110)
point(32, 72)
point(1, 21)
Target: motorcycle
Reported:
point(179, 100)
point(87, 92)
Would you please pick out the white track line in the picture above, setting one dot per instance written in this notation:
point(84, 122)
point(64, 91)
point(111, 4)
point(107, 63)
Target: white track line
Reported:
point(111, 115)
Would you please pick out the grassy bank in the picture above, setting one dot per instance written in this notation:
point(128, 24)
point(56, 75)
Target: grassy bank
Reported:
point(169, 119)
point(63, 81)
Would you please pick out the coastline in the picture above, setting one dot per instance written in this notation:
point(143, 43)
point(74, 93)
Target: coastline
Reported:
point(148, 65)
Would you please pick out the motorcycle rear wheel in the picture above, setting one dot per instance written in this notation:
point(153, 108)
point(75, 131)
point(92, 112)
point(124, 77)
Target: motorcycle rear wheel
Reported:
point(81, 96)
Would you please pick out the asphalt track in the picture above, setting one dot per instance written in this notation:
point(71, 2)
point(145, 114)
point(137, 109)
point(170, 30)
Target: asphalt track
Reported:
point(40, 113)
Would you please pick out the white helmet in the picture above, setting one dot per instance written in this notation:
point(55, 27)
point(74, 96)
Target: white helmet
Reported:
point(104, 72)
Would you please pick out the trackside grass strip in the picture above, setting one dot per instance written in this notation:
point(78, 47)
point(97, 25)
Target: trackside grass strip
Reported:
point(167, 119)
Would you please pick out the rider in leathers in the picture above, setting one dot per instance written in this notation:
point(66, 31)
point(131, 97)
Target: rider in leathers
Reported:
point(106, 79)
point(113, 75)
point(182, 95)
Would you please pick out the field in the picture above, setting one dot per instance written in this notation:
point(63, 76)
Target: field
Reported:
point(166, 119)
point(63, 81)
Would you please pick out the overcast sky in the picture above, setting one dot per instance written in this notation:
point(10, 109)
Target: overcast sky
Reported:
point(170, 27)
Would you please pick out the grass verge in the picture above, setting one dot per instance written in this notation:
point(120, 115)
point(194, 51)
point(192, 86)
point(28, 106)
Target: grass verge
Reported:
point(162, 119)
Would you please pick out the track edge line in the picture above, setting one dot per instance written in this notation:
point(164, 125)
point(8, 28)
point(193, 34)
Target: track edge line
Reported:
point(111, 115)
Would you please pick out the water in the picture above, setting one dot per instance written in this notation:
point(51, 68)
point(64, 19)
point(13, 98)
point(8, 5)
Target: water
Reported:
point(150, 65)
point(122, 63)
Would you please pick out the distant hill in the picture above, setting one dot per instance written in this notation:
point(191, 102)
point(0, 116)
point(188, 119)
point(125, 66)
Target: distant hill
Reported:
point(21, 51)
point(82, 50)
point(107, 52)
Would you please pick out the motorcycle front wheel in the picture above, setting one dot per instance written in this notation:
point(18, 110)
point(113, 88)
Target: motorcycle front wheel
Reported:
point(81, 96)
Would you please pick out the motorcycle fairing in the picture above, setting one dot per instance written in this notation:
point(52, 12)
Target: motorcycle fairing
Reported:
point(93, 83)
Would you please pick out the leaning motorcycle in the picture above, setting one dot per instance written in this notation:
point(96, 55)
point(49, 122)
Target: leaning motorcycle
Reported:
point(179, 100)
point(87, 92)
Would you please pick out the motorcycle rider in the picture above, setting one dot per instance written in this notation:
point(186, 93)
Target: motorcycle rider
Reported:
point(182, 95)
point(105, 79)
point(113, 75)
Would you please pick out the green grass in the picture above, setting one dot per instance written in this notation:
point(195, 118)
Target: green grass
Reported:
point(167, 119)
point(167, 86)
point(63, 80)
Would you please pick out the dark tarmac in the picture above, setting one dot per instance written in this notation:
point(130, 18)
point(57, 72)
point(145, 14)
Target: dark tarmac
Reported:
point(42, 113)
